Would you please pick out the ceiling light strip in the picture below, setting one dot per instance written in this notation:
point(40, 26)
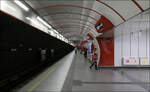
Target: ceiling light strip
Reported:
point(21, 5)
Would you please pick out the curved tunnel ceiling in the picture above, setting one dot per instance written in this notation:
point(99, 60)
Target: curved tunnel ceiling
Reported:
point(86, 12)
point(74, 26)
point(72, 13)
point(76, 23)
point(70, 19)
point(69, 5)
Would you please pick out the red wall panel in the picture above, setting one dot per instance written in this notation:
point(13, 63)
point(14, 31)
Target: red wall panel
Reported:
point(106, 45)
point(107, 51)
point(90, 36)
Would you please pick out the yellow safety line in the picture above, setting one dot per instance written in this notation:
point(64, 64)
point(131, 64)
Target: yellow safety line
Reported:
point(42, 79)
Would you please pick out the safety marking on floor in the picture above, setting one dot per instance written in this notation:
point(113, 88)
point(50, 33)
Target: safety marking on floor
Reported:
point(43, 78)
point(116, 82)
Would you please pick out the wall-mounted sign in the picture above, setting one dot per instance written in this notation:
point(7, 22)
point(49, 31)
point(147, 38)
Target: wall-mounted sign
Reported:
point(131, 61)
point(103, 24)
point(126, 61)
point(144, 61)
point(99, 26)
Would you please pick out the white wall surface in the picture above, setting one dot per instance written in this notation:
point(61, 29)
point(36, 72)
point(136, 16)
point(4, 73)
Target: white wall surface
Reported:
point(132, 38)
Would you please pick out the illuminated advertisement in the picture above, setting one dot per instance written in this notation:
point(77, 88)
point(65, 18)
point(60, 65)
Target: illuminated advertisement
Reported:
point(131, 61)
point(144, 61)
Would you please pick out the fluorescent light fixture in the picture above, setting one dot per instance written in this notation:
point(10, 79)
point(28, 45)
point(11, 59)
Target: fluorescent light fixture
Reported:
point(36, 23)
point(4, 4)
point(55, 31)
point(21, 5)
point(28, 18)
point(31, 20)
point(40, 19)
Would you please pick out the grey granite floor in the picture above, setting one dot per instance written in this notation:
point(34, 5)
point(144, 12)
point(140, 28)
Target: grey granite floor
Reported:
point(51, 80)
point(72, 74)
point(83, 79)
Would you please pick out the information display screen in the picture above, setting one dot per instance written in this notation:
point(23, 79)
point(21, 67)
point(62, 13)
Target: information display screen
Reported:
point(99, 26)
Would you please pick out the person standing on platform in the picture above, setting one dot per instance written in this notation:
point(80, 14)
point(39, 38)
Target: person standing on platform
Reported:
point(94, 60)
point(75, 50)
point(85, 52)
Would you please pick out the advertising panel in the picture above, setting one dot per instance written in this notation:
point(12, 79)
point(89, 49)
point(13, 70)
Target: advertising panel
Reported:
point(131, 61)
point(144, 61)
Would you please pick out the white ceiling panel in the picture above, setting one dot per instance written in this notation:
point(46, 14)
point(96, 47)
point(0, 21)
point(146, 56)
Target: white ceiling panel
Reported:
point(145, 4)
point(124, 7)
point(72, 12)
point(108, 13)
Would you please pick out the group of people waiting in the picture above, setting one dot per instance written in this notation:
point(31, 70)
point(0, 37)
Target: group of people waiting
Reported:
point(93, 56)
